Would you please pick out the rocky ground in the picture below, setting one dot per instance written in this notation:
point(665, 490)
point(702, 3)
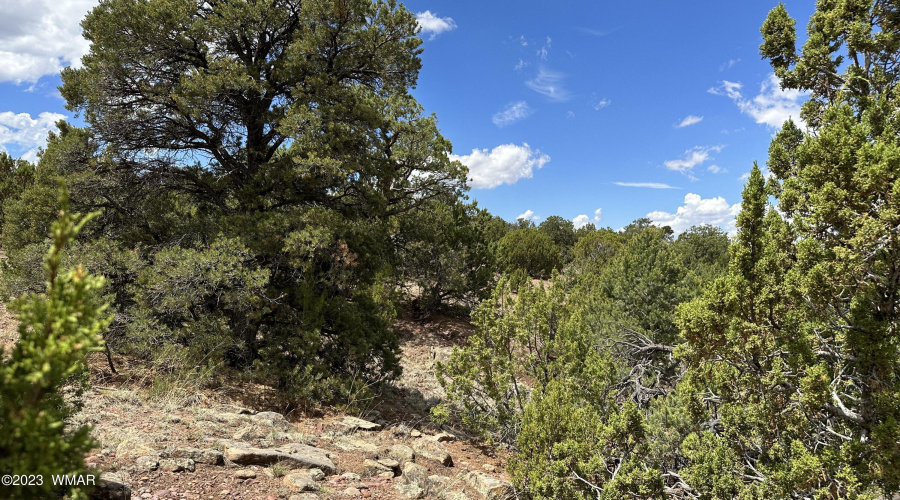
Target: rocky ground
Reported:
point(211, 445)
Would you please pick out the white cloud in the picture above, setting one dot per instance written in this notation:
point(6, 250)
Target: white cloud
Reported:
point(550, 84)
point(25, 132)
point(716, 169)
point(523, 41)
point(772, 106)
point(521, 65)
point(689, 120)
point(598, 103)
point(505, 164)
point(528, 215)
point(512, 113)
point(650, 185)
point(692, 158)
point(40, 37)
point(582, 220)
point(545, 50)
point(696, 211)
point(434, 25)
point(728, 64)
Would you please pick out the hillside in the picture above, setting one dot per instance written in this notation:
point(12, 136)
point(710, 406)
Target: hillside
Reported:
point(225, 444)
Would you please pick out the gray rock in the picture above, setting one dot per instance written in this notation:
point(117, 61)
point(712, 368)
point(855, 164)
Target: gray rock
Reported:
point(300, 481)
point(432, 450)
point(356, 444)
point(177, 465)
point(245, 474)
point(489, 467)
point(455, 495)
point(352, 492)
point(373, 468)
point(316, 474)
point(294, 455)
point(444, 437)
point(111, 487)
point(410, 490)
point(200, 456)
point(390, 463)
point(489, 486)
point(414, 474)
point(272, 419)
point(358, 423)
point(147, 463)
point(435, 485)
point(350, 476)
point(401, 453)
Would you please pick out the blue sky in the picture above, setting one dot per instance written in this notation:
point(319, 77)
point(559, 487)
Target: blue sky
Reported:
point(559, 108)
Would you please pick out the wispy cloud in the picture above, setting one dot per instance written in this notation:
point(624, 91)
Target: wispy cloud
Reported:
point(689, 120)
point(433, 25)
point(512, 113)
point(593, 32)
point(692, 158)
point(521, 65)
point(597, 103)
point(549, 84)
point(772, 106)
point(716, 169)
point(649, 185)
point(504, 164)
point(544, 51)
point(728, 64)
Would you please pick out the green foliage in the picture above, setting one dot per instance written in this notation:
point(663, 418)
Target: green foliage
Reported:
point(528, 249)
point(562, 232)
point(445, 250)
point(15, 176)
point(57, 330)
point(255, 215)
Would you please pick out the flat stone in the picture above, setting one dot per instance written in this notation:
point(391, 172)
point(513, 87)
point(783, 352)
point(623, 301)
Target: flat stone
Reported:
point(416, 434)
point(147, 463)
point(432, 450)
point(489, 467)
point(386, 475)
point(200, 456)
point(177, 465)
point(489, 486)
point(245, 474)
point(444, 437)
point(300, 481)
point(358, 423)
point(410, 490)
point(352, 492)
point(350, 476)
point(401, 453)
point(373, 468)
point(272, 419)
point(356, 444)
point(111, 486)
point(390, 463)
point(295, 455)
